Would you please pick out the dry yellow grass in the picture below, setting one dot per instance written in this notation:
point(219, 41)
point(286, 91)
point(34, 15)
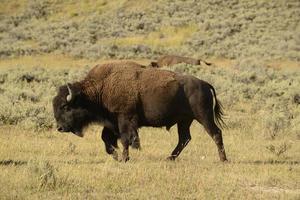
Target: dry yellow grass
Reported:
point(49, 61)
point(54, 61)
point(11, 7)
point(81, 9)
point(53, 165)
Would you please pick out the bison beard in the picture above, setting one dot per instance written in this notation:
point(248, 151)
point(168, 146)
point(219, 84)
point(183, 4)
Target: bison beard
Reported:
point(124, 99)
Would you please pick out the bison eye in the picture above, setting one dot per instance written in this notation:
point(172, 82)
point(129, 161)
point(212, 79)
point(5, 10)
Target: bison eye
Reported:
point(64, 107)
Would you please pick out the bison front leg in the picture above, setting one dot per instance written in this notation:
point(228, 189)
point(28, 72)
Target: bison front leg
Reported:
point(126, 140)
point(111, 142)
point(135, 143)
point(128, 133)
point(125, 143)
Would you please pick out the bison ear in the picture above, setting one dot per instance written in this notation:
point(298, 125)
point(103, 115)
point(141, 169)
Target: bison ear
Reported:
point(73, 92)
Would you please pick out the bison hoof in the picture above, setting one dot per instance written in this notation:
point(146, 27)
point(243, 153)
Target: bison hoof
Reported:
point(172, 158)
point(124, 159)
point(224, 160)
point(115, 155)
point(136, 145)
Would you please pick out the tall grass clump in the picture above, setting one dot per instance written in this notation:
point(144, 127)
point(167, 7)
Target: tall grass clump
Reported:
point(44, 175)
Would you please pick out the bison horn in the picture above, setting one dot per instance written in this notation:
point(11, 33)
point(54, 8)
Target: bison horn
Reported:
point(69, 97)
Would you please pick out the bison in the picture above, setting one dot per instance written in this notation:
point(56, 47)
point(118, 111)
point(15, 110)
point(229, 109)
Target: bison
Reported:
point(170, 60)
point(124, 99)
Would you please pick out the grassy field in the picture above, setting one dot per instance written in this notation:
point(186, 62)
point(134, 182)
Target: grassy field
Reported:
point(262, 141)
point(39, 165)
point(254, 48)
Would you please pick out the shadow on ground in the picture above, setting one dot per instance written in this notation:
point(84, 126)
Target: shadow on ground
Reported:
point(11, 162)
point(271, 162)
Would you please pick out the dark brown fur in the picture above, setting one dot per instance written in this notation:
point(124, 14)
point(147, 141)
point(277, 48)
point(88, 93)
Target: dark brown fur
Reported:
point(129, 98)
point(170, 60)
point(102, 70)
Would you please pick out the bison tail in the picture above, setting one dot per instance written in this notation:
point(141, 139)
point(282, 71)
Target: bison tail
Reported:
point(218, 111)
point(207, 63)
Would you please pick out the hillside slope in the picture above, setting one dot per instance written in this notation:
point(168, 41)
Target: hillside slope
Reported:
point(126, 29)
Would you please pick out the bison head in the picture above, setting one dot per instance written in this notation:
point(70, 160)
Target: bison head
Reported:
point(153, 64)
point(70, 110)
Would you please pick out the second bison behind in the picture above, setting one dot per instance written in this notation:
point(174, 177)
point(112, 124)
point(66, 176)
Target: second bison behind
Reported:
point(126, 98)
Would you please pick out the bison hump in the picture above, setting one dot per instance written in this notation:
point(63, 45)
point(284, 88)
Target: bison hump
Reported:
point(156, 79)
point(120, 91)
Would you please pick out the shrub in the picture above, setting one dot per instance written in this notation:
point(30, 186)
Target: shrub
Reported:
point(278, 150)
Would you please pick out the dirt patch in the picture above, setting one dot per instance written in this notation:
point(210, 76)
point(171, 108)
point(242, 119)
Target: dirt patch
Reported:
point(284, 64)
point(56, 61)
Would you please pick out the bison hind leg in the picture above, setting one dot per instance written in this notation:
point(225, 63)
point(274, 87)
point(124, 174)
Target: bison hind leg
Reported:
point(215, 132)
point(203, 109)
point(207, 120)
point(184, 137)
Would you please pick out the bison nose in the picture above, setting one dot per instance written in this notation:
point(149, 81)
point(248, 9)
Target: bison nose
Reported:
point(60, 129)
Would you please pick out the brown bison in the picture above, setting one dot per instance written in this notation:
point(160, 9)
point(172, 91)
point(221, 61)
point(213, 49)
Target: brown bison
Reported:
point(124, 99)
point(170, 60)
